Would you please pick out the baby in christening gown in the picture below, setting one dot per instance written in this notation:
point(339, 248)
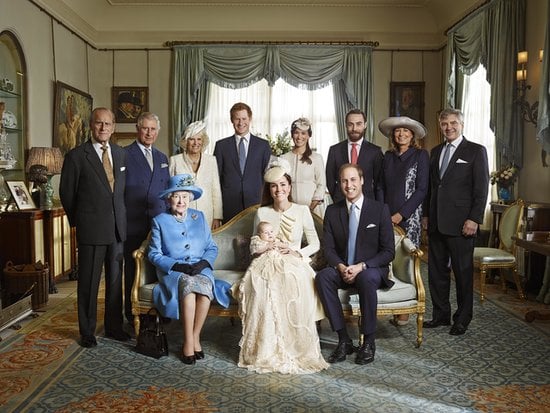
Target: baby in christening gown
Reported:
point(279, 332)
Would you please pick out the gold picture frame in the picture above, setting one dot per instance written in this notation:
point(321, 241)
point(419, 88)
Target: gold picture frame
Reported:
point(123, 138)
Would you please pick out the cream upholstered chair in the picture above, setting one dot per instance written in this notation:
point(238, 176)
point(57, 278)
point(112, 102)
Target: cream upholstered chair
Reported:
point(503, 257)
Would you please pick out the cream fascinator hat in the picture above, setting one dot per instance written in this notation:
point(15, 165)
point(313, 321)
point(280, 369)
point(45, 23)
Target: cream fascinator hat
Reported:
point(389, 124)
point(194, 129)
point(277, 168)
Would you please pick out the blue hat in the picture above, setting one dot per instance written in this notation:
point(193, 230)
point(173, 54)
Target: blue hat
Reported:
point(181, 182)
point(221, 292)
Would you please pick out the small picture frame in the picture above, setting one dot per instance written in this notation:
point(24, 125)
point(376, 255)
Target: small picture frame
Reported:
point(21, 195)
point(407, 99)
point(129, 102)
point(123, 138)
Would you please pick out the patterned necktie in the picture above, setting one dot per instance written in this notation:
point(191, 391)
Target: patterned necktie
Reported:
point(445, 161)
point(353, 225)
point(242, 154)
point(149, 157)
point(354, 153)
point(107, 166)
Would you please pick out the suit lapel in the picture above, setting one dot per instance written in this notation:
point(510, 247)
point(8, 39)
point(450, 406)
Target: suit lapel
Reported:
point(344, 152)
point(456, 155)
point(95, 163)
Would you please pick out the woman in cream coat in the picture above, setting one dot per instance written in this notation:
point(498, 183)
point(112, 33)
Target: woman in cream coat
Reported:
point(203, 168)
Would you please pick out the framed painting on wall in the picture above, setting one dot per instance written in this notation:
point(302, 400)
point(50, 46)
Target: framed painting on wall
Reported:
point(123, 138)
point(71, 119)
point(407, 99)
point(128, 102)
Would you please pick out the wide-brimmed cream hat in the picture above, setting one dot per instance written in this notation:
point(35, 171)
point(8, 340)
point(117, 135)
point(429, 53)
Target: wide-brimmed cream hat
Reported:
point(277, 168)
point(389, 124)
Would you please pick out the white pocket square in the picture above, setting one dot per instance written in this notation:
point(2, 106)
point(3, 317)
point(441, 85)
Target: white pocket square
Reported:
point(461, 161)
point(371, 226)
point(164, 165)
point(122, 168)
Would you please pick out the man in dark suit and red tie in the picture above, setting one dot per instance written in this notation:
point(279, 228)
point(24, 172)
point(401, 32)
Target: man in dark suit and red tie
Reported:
point(92, 185)
point(459, 184)
point(355, 150)
point(242, 160)
point(358, 246)
point(146, 176)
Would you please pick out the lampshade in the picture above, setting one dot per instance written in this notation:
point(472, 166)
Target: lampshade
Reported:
point(523, 56)
point(521, 74)
point(51, 158)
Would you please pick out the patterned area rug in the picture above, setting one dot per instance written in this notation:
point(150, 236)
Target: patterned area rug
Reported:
point(500, 365)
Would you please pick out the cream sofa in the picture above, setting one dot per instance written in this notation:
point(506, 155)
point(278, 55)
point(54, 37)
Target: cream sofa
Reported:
point(407, 296)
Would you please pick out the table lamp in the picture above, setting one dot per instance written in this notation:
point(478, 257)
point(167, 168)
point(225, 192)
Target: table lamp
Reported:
point(52, 159)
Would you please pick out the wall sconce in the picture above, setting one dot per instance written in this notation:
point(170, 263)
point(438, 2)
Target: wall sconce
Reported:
point(52, 160)
point(529, 112)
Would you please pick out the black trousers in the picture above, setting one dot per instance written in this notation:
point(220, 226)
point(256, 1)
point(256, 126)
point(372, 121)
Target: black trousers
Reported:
point(446, 252)
point(328, 281)
point(91, 259)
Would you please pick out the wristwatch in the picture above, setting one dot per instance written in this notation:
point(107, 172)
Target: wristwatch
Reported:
point(363, 266)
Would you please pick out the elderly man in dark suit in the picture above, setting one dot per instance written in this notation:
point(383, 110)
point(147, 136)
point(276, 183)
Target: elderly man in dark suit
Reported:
point(459, 183)
point(146, 176)
point(355, 150)
point(242, 160)
point(92, 193)
point(359, 246)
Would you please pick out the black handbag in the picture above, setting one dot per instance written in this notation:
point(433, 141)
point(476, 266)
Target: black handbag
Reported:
point(151, 340)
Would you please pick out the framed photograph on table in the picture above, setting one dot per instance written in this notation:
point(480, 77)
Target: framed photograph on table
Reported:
point(71, 118)
point(21, 195)
point(128, 102)
point(407, 99)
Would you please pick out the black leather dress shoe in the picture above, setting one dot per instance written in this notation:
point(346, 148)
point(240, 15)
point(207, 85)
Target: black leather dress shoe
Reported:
point(88, 341)
point(188, 359)
point(365, 354)
point(118, 335)
point(457, 329)
point(435, 323)
point(343, 349)
point(199, 355)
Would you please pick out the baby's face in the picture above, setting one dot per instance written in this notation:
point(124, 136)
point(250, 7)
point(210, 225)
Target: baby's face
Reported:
point(267, 234)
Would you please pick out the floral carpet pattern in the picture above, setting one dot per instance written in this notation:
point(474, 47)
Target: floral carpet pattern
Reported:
point(501, 364)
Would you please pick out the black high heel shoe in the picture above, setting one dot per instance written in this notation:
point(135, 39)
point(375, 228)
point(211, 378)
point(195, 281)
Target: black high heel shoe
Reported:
point(188, 359)
point(199, 355)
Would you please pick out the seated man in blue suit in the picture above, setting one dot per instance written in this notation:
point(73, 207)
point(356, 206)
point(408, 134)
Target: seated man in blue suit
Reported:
point(359, 246)
point(242, 160)
point(146, 176)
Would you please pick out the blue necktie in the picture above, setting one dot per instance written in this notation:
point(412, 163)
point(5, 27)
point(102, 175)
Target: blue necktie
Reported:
point(353, 224)
point(445, 161)
point(242, 154)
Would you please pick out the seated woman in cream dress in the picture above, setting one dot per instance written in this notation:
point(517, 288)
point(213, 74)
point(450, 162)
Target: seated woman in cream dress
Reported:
point(307, 169)
point(204, 170)
point(278, 304)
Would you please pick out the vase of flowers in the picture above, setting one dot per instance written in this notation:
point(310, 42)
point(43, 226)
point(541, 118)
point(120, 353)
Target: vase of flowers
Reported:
point(505, 178)
point(280, 143)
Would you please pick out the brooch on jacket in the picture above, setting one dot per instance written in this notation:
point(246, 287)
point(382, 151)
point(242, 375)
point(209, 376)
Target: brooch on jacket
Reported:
point(194, 216)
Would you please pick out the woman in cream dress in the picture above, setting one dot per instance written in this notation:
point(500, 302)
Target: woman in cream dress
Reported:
point(278, 304)
point(203, 168)
point(307, 169)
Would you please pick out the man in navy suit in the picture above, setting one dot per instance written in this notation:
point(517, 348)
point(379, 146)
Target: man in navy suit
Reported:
point(456, 203)
point(368, 156)
point(146, 176)
point(92, 186)
point(360, 262)
point(242, 160)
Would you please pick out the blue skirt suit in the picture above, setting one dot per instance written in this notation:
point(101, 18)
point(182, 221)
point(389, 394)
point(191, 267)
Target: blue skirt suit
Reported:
point(405, 185)
point(186, 242)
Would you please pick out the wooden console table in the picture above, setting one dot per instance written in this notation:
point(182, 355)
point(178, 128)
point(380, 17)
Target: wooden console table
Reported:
point(538, 242)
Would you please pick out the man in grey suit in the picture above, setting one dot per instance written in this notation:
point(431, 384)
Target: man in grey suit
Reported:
point(355, 150)
point(242, 160)
point(459, 183)
point(92, 193)
point(146, 176)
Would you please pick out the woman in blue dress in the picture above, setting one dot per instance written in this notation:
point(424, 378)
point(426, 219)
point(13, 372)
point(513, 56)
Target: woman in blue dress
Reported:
point(183, 252)
point(405, 178)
